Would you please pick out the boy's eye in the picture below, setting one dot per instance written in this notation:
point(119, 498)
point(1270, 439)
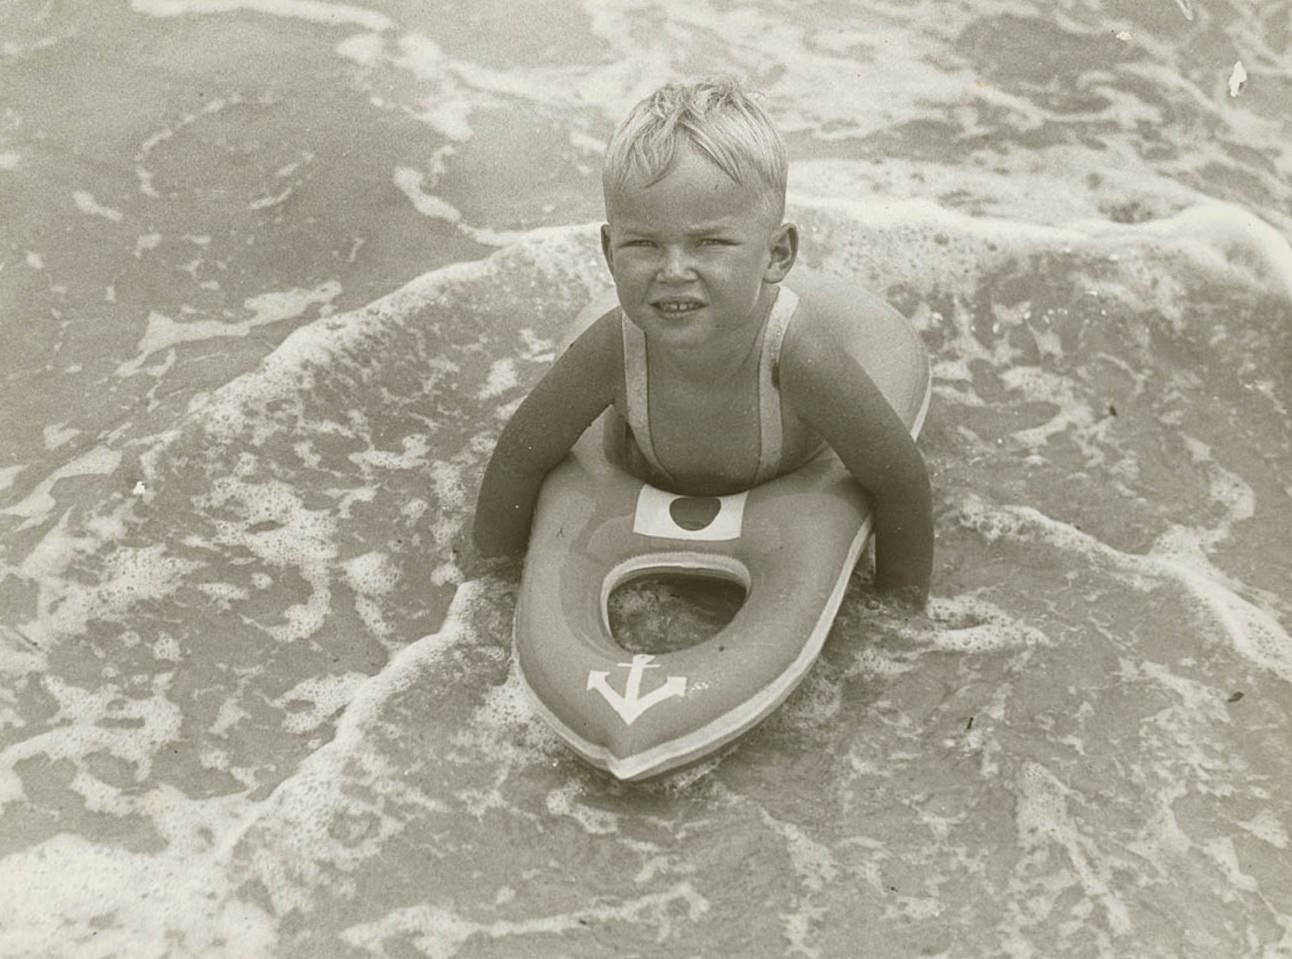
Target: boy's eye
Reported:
point(715, 241)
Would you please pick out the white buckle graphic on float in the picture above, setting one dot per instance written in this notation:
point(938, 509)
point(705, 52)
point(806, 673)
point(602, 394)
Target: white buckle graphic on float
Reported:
point(632, 703)
point(704, 518)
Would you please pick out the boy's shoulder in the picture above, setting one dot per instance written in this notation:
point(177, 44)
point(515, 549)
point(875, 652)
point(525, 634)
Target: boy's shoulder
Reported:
point(598, 308)
point(840, 326)
point(840, 303)
point(836, 310)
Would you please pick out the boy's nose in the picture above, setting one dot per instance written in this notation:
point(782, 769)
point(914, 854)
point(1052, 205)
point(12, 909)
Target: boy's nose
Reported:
point(675, 265)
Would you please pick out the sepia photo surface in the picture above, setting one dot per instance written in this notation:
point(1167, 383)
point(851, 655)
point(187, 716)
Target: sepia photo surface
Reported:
point(274, 275)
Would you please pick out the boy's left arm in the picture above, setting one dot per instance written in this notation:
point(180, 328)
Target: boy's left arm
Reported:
point(578, 387)
point(836, 396)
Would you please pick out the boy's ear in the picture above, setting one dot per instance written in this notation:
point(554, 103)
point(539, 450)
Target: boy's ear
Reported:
point(605, 246)
point(784, 251)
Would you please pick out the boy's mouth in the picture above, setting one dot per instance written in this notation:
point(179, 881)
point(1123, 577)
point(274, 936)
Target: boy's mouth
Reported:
point(677, 307)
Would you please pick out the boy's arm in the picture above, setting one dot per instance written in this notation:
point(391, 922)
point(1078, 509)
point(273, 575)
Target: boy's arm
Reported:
point(578, 388)
point(833, 393)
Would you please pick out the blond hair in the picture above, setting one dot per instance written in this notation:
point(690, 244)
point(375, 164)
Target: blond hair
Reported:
point(716, 118)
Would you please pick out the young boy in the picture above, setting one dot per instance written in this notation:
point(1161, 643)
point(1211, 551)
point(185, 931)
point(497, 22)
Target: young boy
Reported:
point(694, 183)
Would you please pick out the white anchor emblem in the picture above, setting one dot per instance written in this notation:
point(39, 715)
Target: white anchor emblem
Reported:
point(632, 704)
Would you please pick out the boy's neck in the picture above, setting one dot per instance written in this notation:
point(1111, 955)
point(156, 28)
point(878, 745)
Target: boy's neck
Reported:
point(725, 358)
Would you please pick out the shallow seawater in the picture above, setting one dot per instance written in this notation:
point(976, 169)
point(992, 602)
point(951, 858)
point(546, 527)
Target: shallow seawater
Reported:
point(273, 275)
point(662, 613)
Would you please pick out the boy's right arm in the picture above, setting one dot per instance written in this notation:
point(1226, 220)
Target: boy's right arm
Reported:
point(837, 397)
point(573, 393)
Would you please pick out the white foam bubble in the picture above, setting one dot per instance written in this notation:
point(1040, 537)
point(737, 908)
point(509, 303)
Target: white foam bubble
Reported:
point(273, 524)
point(1267, 827)
point(315, 11)
point(312, 346)
point(1161, 834)
point(812, 861)
point(105, 719)
point(225, 593)
point(64, 896)
point(167, 648)
point(488, 236)
point(20, 655)
point(969, 624)
point(1199, 701)
point(449, 107)
point(373, 573)
point(1221, 851)
point(565, 801)
point(58, 434)
point(440, 932)
point(413, 455)
point(913, 239)
point(271, 307)
point(8, 474)
point(269, 201)
point(86, 203)
point(1042, 818)
point(1073, 417)
point(872, 661)
point(371, 576)
point(507, 728)
point(322, 696)
point(128, 575)
point(275, 305)
point(449, 485)
point(538, 349)
point(411, 183)
point(364, 49)
point(145, 242)
point(502, 377)
point(817, 702)
point(39, 504)
point(230, 715)
point(815, 868)
point(1223, 238)
point(1254, 631)
point(293, 850)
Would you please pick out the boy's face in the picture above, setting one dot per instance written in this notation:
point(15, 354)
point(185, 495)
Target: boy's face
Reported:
point(690, 254)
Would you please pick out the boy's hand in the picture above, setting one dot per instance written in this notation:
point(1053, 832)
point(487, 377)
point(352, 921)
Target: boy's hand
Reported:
point(912, 599)
point(903, 600)
point(474, 564)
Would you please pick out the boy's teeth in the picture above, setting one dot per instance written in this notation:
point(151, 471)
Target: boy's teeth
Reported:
point(678, 307)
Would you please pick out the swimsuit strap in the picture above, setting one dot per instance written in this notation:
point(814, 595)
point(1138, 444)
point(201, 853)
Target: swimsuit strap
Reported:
point(769, 396)
point(636, 398)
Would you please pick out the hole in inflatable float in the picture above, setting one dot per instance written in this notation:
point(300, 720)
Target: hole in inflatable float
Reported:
point(662, 611)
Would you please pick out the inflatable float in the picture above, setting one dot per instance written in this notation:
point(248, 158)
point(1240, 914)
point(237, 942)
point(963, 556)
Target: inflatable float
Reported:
point(791, 543)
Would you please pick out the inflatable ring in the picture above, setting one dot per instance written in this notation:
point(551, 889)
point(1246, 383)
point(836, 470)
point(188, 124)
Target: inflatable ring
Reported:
point(791, 543)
